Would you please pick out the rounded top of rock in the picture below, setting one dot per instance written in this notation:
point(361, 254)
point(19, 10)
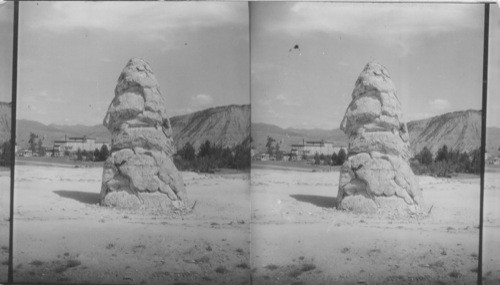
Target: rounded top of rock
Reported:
point(137, 72)
point(374, 105)
point(374, 77)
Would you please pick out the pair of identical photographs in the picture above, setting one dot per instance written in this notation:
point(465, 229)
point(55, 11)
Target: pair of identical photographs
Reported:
point(265, 210)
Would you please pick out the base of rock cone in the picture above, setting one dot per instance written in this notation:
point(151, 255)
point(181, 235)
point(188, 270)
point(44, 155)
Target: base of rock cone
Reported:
point(149, 201)
point(363, 205)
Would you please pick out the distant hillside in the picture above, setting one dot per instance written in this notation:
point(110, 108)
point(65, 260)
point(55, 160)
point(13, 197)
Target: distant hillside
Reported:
point(53, 132)
point(226, 125)
point(5, 121)
point(289, 136)
point(458, 130)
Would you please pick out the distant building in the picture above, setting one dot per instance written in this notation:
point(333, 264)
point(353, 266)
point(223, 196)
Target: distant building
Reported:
point(494, 160)
point(24, 153)
point(310, 148)
point(262, 156)
point(73, 144)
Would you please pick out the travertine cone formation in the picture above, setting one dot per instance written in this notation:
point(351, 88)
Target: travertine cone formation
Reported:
point(140, 170)
point(377, 172)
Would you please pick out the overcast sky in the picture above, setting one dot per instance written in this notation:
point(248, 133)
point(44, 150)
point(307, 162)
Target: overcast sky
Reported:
point(71, 54)
point(433, 53)
point(493, 112)
point(6, 37)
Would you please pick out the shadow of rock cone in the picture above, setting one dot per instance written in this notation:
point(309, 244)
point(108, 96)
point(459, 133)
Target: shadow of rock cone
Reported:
point(377, 167)
point(139, 171)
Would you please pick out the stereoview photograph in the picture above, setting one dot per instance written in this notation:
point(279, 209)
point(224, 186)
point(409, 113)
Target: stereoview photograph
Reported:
point(249, 143)
point(366, 127)
point(133, 143)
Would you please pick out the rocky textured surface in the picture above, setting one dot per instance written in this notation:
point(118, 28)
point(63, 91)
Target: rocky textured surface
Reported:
point(140, 164)
point(377, 173)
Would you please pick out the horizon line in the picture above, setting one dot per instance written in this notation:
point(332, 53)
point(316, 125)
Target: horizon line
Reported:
point(93, 125)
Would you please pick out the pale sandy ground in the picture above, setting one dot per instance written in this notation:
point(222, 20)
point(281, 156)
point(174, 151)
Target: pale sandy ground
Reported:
point(62, 235)
point(4, 223)
point(298, 238)
point(491, 229)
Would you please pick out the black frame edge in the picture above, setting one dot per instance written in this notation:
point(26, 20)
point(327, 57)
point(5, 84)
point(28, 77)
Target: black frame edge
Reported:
point(10, 278)
point(483, 137)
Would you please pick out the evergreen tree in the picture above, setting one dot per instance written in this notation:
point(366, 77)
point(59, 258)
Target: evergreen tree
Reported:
point(96, 154)
point(79, 154)
point(270, 146)
point(5, 154)
point(442, 154)
point(278, 153)
point(205, 149)
point(187, 152)
point(39, 148)
point(241, 157)
point(33, 142)
point(103, 153)
point(316, 159)
point(227, 159)
point(424, 156)
point(335, 159)
point(342, 156)
point(476, 161)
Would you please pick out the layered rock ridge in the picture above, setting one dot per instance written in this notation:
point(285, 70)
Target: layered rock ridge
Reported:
point(140, 171)
point(377, 173)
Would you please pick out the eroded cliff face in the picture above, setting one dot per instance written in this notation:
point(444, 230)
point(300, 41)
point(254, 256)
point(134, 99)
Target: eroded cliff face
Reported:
point(377, 172)
point(226, 125)
point(460, 130)
point(140, 171)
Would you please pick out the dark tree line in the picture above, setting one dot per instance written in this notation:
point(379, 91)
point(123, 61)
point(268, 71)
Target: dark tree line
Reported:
point(446, 162)
point(211, 157)
point(36, 144)
point(96, 155)
point(274, 148)
point(5, 150)
point(335, 159)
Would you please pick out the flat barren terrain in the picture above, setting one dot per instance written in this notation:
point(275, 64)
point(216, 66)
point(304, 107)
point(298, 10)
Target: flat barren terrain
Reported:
point(491, 229)
point(4, 222)
point(294, 236)
point(62, 234)
point(299, 238)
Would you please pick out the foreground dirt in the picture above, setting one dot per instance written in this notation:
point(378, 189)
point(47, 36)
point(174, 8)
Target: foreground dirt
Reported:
point(299, 238)
point(4, 223)
point(62, 235)
point(491, 229)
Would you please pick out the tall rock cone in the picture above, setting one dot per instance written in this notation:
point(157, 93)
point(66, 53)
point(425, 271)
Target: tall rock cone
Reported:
point(139, 171)
point(377, 173)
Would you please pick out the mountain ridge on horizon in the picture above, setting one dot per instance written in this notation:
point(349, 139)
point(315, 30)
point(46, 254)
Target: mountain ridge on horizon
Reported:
point(330, 129)
point(184, 128)
point(458, 129)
